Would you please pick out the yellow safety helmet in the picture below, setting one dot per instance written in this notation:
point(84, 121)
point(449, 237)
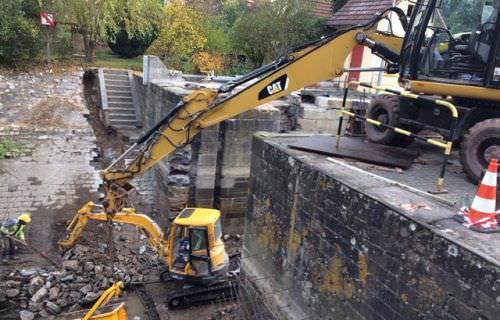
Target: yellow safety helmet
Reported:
point(25, 217)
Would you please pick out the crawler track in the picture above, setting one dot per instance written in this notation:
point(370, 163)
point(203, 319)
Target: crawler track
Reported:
point(147, 301)
point(224, 291)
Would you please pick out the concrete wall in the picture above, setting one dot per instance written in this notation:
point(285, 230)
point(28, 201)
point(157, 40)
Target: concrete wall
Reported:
point(323, 241)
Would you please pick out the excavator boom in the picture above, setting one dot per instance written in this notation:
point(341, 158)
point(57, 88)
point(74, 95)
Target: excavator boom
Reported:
point(92, 211)
point(314, 62)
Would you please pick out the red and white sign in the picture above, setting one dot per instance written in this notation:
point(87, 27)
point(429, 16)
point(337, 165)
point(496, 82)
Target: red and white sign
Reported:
point(47, 19)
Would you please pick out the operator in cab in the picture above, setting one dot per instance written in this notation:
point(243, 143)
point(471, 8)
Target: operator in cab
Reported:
point(12, 228)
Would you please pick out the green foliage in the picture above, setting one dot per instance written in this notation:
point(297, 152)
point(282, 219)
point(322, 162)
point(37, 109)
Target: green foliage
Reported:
point(107, 59)
point(338, 4)
point(130, 47)
point(19, 35)
point(10, 148)
point(272, 28)
point(181, 35)
point(460, 15)
point(218, 39)
point(96, 19)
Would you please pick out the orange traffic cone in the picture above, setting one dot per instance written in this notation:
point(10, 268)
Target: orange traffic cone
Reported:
point(482, 213)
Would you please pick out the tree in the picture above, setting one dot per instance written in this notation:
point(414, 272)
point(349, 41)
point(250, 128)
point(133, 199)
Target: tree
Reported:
point(138, 26)
point(181, 34)
point(19, 35)
point(272, 28)
point(96, 19)
point(338, 4)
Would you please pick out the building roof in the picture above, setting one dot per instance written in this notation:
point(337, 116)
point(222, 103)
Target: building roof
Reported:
point(358, 11)
point(320, 8)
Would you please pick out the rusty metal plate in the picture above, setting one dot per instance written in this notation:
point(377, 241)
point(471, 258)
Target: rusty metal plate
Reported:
point(357, 148)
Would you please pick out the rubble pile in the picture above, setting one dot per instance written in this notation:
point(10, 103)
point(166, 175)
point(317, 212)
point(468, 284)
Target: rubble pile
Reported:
point(84, 275)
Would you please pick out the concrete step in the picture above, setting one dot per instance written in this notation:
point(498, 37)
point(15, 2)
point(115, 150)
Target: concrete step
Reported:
point(115, 71)
point(117, 82)
point(116, 77)
point(119, 99)
point(124, 87)
point(122, 122)
point(123, 104)
point(119, 93)
point(115, 110)
point(121, 116)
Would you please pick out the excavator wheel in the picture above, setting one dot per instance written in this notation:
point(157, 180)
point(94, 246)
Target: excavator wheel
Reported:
point(386, 109)
point(480, 144)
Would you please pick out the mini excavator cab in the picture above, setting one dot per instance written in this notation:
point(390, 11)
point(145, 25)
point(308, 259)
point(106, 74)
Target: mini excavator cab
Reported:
point(197, 253)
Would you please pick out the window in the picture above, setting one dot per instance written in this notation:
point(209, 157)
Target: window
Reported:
point(198, 239)
point(218, 229)
point(458, 40)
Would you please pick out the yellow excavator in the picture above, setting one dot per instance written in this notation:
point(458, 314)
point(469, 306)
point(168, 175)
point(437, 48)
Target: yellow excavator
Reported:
point(445, 54)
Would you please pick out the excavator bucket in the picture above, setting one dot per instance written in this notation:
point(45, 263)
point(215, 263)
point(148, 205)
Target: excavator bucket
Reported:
point(118, 313)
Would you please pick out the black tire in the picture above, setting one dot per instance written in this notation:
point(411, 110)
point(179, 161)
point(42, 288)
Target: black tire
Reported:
point(386, 109)
point(481, 143)
point(175, 303)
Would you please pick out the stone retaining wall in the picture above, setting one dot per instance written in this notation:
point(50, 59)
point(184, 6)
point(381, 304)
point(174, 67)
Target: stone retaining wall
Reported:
point(324, 241)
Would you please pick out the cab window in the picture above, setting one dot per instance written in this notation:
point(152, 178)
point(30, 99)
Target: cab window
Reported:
point(198, 239)
point(458, 40)
point(218, 229)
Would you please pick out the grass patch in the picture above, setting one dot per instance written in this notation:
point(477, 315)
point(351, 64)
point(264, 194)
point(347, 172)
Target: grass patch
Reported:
point(10, 149)
point(107, 59)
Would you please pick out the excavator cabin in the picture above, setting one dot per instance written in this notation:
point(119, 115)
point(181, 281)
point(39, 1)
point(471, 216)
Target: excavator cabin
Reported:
point(451, 50)
point(197, 250)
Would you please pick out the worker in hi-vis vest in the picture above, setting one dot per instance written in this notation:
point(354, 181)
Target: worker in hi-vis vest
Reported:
point(12, 228)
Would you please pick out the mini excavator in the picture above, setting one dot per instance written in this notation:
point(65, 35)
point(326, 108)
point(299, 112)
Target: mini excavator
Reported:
point(458, 61)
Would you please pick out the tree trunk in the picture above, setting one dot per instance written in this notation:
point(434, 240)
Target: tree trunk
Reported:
point(86, 44)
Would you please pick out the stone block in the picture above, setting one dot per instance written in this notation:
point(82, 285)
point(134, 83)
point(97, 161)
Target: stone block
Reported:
point(307, 125)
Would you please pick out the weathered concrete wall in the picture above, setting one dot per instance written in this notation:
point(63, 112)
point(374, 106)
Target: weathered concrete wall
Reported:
point(233, 168)
point(324, 241)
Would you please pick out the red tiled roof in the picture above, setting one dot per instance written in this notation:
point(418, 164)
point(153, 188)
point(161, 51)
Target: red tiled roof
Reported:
point(358, 11)
point(320, 8)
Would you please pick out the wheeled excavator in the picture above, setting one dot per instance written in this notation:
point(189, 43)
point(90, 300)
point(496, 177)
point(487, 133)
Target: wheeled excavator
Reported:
point(433, 61)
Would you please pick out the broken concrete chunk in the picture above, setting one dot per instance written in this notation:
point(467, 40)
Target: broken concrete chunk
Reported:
point(13, 284)
point(68, 278)
point(52, 307)
point(89, 266)
point(74, 308)
point(90, 297)
point(86, 289)
point(74, 296)
point(98, 269)
point(39, 295)
point(27, 272)
point(62, 302)
point(53, 293)
point(11, 293)
point(72, 265)
point(26, 315)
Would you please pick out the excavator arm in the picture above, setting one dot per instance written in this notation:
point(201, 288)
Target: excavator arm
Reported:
point(311, 63)
point(93, 211)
